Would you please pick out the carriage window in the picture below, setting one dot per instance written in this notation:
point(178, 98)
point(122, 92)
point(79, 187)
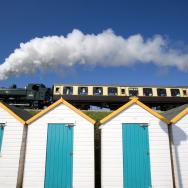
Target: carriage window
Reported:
point(133, 91)
point(2, 125)
point(67, 90)
point(161, 92)
point(82, 90)
point(147, 91)
point(122, 91)
point(175, 92)
point(184, 92)
point(112, 91)
point(97, 91)
point(57, 89)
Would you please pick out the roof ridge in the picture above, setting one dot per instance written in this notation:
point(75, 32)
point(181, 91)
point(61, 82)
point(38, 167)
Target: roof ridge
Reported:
point(134, 100)
point(52, 106)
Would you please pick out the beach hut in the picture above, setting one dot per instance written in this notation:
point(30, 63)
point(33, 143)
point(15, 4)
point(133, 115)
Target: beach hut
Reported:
point(135, 148)
point(179, 138)
point(60, 148)
point(12, 145)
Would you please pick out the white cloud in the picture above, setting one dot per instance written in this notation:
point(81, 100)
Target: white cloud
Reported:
point(104, 49)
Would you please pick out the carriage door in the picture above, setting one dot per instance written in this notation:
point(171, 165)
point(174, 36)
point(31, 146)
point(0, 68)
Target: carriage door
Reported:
point(59, 156)
point(136, 160)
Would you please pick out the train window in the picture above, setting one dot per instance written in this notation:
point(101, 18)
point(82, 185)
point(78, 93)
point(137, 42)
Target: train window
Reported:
point(57, 89)
point(67, 90)
point(147, 92)
point(112, 91)
point(97, 91)
point(82, 90)
point(161, 92)
point(122, 91)
point(175, 92)
point(184, 92)
point(133, 91)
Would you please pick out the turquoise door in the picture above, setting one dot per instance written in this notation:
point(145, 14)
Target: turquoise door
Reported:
point(136, 160)
point(1, 135)
point(59, 156)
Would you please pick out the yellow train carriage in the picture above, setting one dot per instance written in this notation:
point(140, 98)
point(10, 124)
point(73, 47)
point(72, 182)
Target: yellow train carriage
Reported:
point(111, 90)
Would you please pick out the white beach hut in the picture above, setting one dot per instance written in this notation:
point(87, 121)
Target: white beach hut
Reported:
point(179, 135)
point(135, 148)
point(12, 145)
point(60, 148)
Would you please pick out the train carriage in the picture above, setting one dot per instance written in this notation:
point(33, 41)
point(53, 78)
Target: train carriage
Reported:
point(113, 90)
point(113, 96)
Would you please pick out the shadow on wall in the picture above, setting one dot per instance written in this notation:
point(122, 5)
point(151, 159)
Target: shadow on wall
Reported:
point(180, 136)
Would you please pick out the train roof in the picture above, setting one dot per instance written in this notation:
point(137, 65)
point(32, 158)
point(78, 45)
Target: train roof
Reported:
point(119, 85)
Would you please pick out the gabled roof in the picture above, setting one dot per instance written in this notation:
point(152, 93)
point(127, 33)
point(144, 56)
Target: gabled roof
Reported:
point(176, 114)
point(60, 101)
point(125, 106)
point(19, 114)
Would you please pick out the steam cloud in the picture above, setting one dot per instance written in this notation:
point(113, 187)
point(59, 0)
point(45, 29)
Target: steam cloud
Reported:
point(104, 49)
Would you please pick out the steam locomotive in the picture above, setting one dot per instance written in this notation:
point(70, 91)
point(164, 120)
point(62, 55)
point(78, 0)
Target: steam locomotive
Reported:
point(33, 95)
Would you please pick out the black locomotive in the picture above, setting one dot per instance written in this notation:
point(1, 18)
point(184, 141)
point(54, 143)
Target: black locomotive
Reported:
point(33, 95)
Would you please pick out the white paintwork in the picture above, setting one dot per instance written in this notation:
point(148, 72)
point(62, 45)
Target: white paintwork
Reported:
point(83, 148)
point(180, 139)
point(112, 153)
point(10, 151)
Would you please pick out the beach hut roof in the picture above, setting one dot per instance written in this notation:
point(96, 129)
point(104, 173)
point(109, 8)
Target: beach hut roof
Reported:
point(176, 114)
point(134, 100)
point(52, 106)
point(20, 114)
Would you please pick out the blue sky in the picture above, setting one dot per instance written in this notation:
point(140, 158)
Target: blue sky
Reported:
point(21, 21)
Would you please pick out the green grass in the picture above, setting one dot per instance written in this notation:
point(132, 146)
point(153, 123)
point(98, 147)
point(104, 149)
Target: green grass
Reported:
point(96, 115)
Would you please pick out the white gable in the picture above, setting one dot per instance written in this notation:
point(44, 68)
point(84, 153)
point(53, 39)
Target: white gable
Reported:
point(61, 113)
point(132, 114)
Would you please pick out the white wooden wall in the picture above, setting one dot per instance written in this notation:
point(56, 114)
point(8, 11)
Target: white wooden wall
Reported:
point(112, 152)
point(83, 149)
point(180, 138)
point(10, 151)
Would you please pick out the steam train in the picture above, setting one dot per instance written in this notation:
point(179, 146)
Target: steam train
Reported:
point(33, 95)
point(39, 96)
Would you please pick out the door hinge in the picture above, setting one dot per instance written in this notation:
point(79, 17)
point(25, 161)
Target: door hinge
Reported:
point(69, 125)
point(143, 125)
